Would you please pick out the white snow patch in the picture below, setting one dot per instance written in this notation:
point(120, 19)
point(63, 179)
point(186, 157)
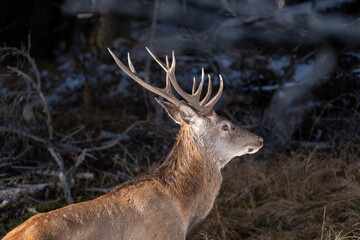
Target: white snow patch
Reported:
point(44, 73)
point(68, 66)
point(264, 88)
point(356, 70)
point(278, 64)
point(225, 62)
point(303, 71)
point(73, 82)
point(352, 54)
point(234, 74)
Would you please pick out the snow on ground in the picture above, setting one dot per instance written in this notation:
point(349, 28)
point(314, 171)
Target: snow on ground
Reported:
point(277, 64)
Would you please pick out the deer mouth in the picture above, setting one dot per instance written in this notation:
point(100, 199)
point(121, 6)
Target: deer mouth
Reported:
point(252, 150)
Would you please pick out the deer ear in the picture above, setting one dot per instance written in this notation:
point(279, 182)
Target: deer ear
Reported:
point(190, 116)
point(171, 109)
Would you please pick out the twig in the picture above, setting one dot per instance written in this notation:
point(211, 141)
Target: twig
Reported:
point(323, 224)
point(108, 145)
point(13, 158)
point(28, 188)
point(25, 54)
point(126, 152)
point(219, 222)
point(6, 199)
point(24, 134)
point(79, 129)
point(44, 202)
point(37, 85)
point(225, 4)
point(115, 141)
point(42, 97)
point(97, 189)
point(62, 175)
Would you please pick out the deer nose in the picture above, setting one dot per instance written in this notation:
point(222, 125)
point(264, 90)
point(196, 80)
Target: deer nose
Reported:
point(261, 139)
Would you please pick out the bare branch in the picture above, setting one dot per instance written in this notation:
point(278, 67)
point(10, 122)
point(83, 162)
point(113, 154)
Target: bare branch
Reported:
point(24, 134)
point(62, 175)
point(79, 129)
point(26, 188)
point(37, 87)
point(116, 140)
point(109, 144)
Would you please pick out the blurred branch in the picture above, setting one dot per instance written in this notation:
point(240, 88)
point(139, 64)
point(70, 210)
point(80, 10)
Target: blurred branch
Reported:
point(37, 85)
point(62, 175)
point(79, 129)
point(280, 3)
point(19, 190)
point(97, 189)
point(24, 134)
point(24, 53)
point(148, 60)
point(225, 4)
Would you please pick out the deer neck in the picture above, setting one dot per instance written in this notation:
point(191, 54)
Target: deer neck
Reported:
point(191, 175)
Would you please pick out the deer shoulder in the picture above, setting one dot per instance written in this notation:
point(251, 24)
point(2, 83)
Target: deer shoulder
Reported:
point(178, 195)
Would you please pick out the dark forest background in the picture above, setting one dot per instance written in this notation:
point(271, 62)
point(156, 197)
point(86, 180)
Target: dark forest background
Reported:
point(73, 126)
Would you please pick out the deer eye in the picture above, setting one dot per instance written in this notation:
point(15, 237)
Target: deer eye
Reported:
point(225, 127)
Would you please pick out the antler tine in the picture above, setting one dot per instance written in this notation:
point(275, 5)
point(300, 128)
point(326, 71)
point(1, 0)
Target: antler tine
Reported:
point(201, 85)
point(166, 69)
point(130, 63)
point(208, 94)
point(193, 100)
point(213, 101)
point(168, 85)
point(194, 86)
point(171, 76)
point(189, 98)
point(167, 93)
point(161, 92)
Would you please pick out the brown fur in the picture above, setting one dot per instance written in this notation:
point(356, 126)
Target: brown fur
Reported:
point(164, 205)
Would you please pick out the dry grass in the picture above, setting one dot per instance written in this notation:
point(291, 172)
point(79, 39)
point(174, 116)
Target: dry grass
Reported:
point(285, 198)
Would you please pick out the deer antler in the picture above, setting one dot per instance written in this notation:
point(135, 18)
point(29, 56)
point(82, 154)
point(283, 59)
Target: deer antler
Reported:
point(204, 106)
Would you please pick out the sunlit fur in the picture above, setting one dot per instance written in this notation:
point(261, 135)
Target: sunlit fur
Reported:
point(165, 205)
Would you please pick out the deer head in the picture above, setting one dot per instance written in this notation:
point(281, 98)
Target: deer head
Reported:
point(216, 135)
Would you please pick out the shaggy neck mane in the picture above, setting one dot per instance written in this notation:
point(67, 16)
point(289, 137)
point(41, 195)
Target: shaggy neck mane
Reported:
point(189, 172)
point(184, 166)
